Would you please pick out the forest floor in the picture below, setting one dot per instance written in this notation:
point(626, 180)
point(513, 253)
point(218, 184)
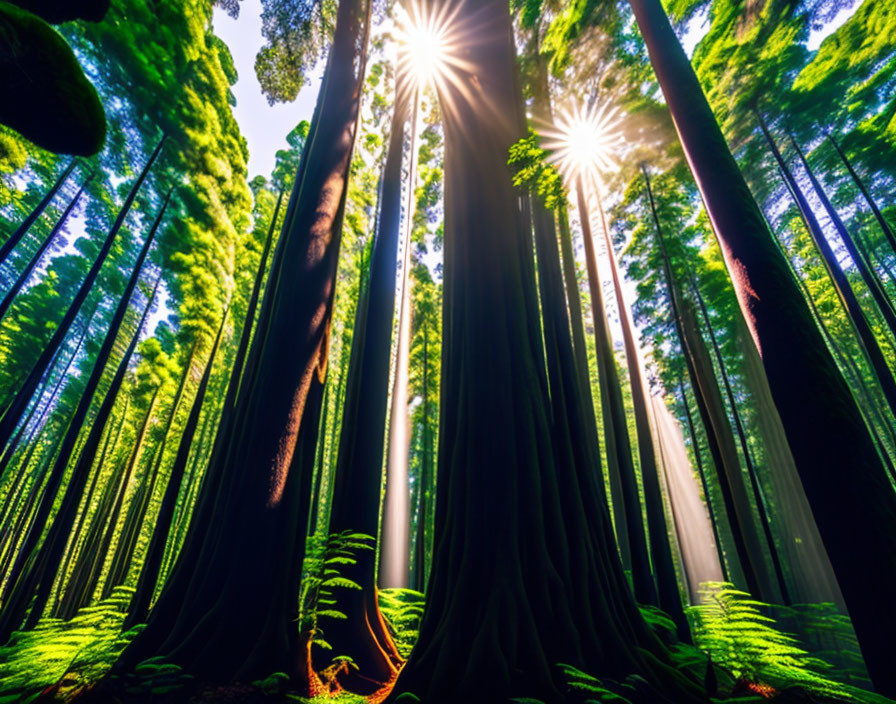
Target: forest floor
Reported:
point(62, 661)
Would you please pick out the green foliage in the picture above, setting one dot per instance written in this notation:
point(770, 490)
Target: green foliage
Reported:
point(155, 677)
point(403, 611)
point(733, 628)
point(297, 32)
point(533, 173)
point(274, 683)
point(66, 656)
point(325, 556)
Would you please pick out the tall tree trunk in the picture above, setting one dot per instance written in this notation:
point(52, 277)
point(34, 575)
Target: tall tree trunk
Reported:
point(359, 467)
point(421, 541)
point(108, 521)
point(871, 282)
point(112, 432)
point(526, 573)
point(811, 572)
point(860, 184)
point(36, 257)
point(394, 539)
point(660, 549)
point(765, 520)
point(615, 420)
point(841, 284)
point(17, 409)
point(45, 559)
point(127, 544)
point(565, 315)
point(718, 429)
point(701, 472)
point(823, 423)
point(227, 611)
point(152, 562)
point(10, 244)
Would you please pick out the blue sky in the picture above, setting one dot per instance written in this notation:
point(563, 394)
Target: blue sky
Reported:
point(264, 126)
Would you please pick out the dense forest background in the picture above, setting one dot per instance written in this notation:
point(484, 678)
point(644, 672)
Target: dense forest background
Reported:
point(553, 361)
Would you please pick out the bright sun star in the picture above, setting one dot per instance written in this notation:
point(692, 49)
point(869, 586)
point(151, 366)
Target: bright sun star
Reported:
point(584, 143)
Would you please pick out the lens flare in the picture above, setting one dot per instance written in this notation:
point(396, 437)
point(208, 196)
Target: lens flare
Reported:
point(585, 143)
point(423, 44)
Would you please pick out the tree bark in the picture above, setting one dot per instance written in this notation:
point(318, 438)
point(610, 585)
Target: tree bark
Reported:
point(822, 421)
point(765, 520)
point(359, 467)
point(152, 561)
point(718, 429)
point(227, 611)
point(660, 548)
point(394, 538)
point(526, 573)
point(616, 422)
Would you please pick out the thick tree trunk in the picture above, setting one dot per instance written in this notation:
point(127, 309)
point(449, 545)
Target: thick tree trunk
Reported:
point(17, 409)
point(823, 423)
point(10, 244)
point(359, 467)
point(616, 421)
point(45, 560)
point(227, 611)
point(526, 573)
point(660, 548)
point(36, 257)
point(871, 282)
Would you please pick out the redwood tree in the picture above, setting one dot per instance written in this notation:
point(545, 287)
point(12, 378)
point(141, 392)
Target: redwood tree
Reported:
point(834, 452)
point(525, 571)
point(228, 609)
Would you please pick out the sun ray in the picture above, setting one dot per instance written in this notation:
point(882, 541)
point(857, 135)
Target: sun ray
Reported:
point(584, 143)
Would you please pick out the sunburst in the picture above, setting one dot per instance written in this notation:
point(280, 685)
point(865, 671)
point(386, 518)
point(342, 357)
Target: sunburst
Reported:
point(584, 144)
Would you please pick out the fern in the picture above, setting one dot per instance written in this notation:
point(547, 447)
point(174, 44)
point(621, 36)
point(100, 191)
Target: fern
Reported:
point(325, 557)
point(65, 657)
point(403, 611)
point(741, 638)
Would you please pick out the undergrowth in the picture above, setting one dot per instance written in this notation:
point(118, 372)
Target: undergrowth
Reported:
point(742, 649)
point(63, 658)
